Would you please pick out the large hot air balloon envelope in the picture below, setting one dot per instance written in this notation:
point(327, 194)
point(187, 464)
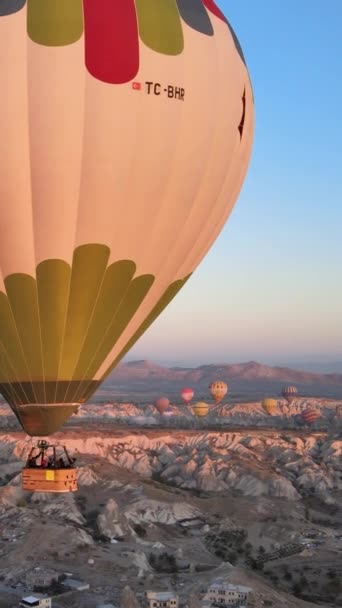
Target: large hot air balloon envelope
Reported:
point(218, 390)
point(270, 406)
point(201, 409)
point(310, 416)
point(289, 393)
point(125, 135)
point(162, 404)
point(187, 394)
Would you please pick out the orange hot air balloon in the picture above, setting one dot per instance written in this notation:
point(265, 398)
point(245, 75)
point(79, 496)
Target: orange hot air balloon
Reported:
point(218, 390)
point(187, 394)
point(270, 406)
point(201, 409)
point(162, 404)
point(310, 416)
point(125, 136)
point(289, 393)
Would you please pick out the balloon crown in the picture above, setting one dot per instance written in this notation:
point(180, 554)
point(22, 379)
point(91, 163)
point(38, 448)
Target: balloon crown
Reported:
point(112, 29)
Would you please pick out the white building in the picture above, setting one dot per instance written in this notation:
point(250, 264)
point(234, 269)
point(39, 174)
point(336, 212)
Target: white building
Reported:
point(39, 577)
point(37, 601)
point(74, 585)
point(226, 594)
point(161, 599)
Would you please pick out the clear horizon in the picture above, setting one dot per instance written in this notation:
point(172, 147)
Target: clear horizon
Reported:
point(270, 287)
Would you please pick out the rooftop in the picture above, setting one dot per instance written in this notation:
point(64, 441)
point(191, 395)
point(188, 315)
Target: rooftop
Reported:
point(32, 599)
point(161, 595)
point(73, 583)
point(230, 587)
point(40, 570)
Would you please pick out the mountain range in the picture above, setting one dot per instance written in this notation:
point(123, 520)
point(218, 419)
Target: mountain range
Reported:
point(143, 381)
point(147, 370)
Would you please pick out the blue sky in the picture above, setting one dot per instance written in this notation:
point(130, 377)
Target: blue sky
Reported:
point(270, 289)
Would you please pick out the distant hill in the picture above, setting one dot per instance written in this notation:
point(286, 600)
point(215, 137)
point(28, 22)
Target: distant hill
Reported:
point(148, 371)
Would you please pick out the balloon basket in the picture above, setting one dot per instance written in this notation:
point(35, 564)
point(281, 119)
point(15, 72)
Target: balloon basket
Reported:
point(51, 470)
point(49, 480)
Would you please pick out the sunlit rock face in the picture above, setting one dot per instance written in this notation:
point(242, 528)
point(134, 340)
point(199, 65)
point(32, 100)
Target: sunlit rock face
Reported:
point(254, 464)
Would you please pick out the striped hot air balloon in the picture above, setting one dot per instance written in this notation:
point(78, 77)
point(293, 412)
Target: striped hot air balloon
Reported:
point(289, 393)
point(125, 135)
point(310, 416)
point(218, 390)
point(187, 394)
point(270, 406)
point(201, 409)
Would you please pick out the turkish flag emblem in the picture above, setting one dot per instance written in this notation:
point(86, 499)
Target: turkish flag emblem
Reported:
point(136, 86)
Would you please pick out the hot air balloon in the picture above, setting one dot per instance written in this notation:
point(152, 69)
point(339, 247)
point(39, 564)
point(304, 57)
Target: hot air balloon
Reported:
point(338, 410)
point(162, 404)
point(218, 390)
point(187, 394)
point(310, 416)
point(289, 393)
point(125, 136)
point(168, 412)
point(270, 406)
point(201, 409)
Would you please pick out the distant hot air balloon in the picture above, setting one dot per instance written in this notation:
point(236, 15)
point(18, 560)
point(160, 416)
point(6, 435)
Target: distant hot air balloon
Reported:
point(162, 404)
point(187, 394)
point(125, 136)
point(201, 409)
point(218, 390)
point(168, 411)
point(339, 410)
point(270, 406)
point(289, 393)
point(310, 416)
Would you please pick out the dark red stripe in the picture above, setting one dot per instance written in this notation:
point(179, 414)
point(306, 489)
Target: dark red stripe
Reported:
point(211, 6)
point(111, 40)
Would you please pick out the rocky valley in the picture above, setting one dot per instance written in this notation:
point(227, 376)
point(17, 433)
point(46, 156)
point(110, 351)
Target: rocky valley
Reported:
point(160, 509)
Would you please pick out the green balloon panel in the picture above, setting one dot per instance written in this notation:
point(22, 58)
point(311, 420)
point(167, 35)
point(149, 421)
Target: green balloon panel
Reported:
point(57, 329)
